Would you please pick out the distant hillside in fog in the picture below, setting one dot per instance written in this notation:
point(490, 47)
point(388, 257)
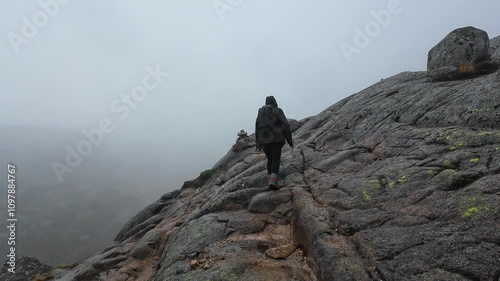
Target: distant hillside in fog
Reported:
point(66, 221)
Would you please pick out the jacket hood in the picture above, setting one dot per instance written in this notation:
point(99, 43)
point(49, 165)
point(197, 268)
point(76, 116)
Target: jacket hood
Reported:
point(272, 101)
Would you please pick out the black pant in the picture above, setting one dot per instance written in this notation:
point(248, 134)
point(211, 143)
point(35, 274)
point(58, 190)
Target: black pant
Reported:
point(273, 154)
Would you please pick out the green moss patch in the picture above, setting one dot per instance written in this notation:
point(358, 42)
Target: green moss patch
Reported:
point(475, 160)
point(365, 195)
point(473, 207)
point(403, 179)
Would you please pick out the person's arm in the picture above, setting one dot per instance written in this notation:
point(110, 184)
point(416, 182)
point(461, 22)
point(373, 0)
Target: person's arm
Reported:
point(256, 127)
point(257, 144)
point(286, 126)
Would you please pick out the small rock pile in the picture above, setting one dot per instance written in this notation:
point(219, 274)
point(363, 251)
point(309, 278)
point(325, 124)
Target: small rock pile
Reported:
point(243, 142)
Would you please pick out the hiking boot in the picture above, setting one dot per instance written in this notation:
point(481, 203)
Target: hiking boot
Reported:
point(273, 181)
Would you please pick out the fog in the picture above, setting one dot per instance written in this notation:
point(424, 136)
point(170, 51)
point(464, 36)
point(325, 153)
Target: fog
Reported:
point(75, 72)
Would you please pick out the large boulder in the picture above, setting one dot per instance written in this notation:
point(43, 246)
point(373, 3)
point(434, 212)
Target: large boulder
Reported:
point(495, 50)
point(462, 53)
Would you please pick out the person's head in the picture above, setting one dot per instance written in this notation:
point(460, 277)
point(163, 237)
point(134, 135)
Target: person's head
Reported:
point(272, 101)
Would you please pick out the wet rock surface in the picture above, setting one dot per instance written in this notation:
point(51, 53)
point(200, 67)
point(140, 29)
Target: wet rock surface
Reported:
point(398, 182)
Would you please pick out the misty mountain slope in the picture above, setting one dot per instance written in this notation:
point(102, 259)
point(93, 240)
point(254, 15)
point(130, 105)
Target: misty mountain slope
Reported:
point(63, 222)
point(400, 181)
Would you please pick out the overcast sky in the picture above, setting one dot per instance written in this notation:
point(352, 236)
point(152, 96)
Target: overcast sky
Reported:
point(223, 58)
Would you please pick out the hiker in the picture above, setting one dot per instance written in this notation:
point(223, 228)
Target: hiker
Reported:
point(271, 132)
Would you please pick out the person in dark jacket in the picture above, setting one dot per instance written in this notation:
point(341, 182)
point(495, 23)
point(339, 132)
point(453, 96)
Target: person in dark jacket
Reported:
point(271, 132)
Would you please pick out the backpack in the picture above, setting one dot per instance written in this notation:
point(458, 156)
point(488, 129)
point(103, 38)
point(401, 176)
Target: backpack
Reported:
point(268, 124)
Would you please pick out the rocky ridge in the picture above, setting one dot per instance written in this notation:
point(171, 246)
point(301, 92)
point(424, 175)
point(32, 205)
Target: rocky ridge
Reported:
point(400, 181)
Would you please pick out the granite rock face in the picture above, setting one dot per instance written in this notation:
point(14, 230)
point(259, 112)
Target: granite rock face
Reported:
point(400, 181)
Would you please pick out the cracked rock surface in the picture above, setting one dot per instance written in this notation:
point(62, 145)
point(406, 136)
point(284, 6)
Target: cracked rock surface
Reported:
point(400, 181)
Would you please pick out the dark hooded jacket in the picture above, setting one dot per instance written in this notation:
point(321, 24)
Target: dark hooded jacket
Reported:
point(278, 130)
